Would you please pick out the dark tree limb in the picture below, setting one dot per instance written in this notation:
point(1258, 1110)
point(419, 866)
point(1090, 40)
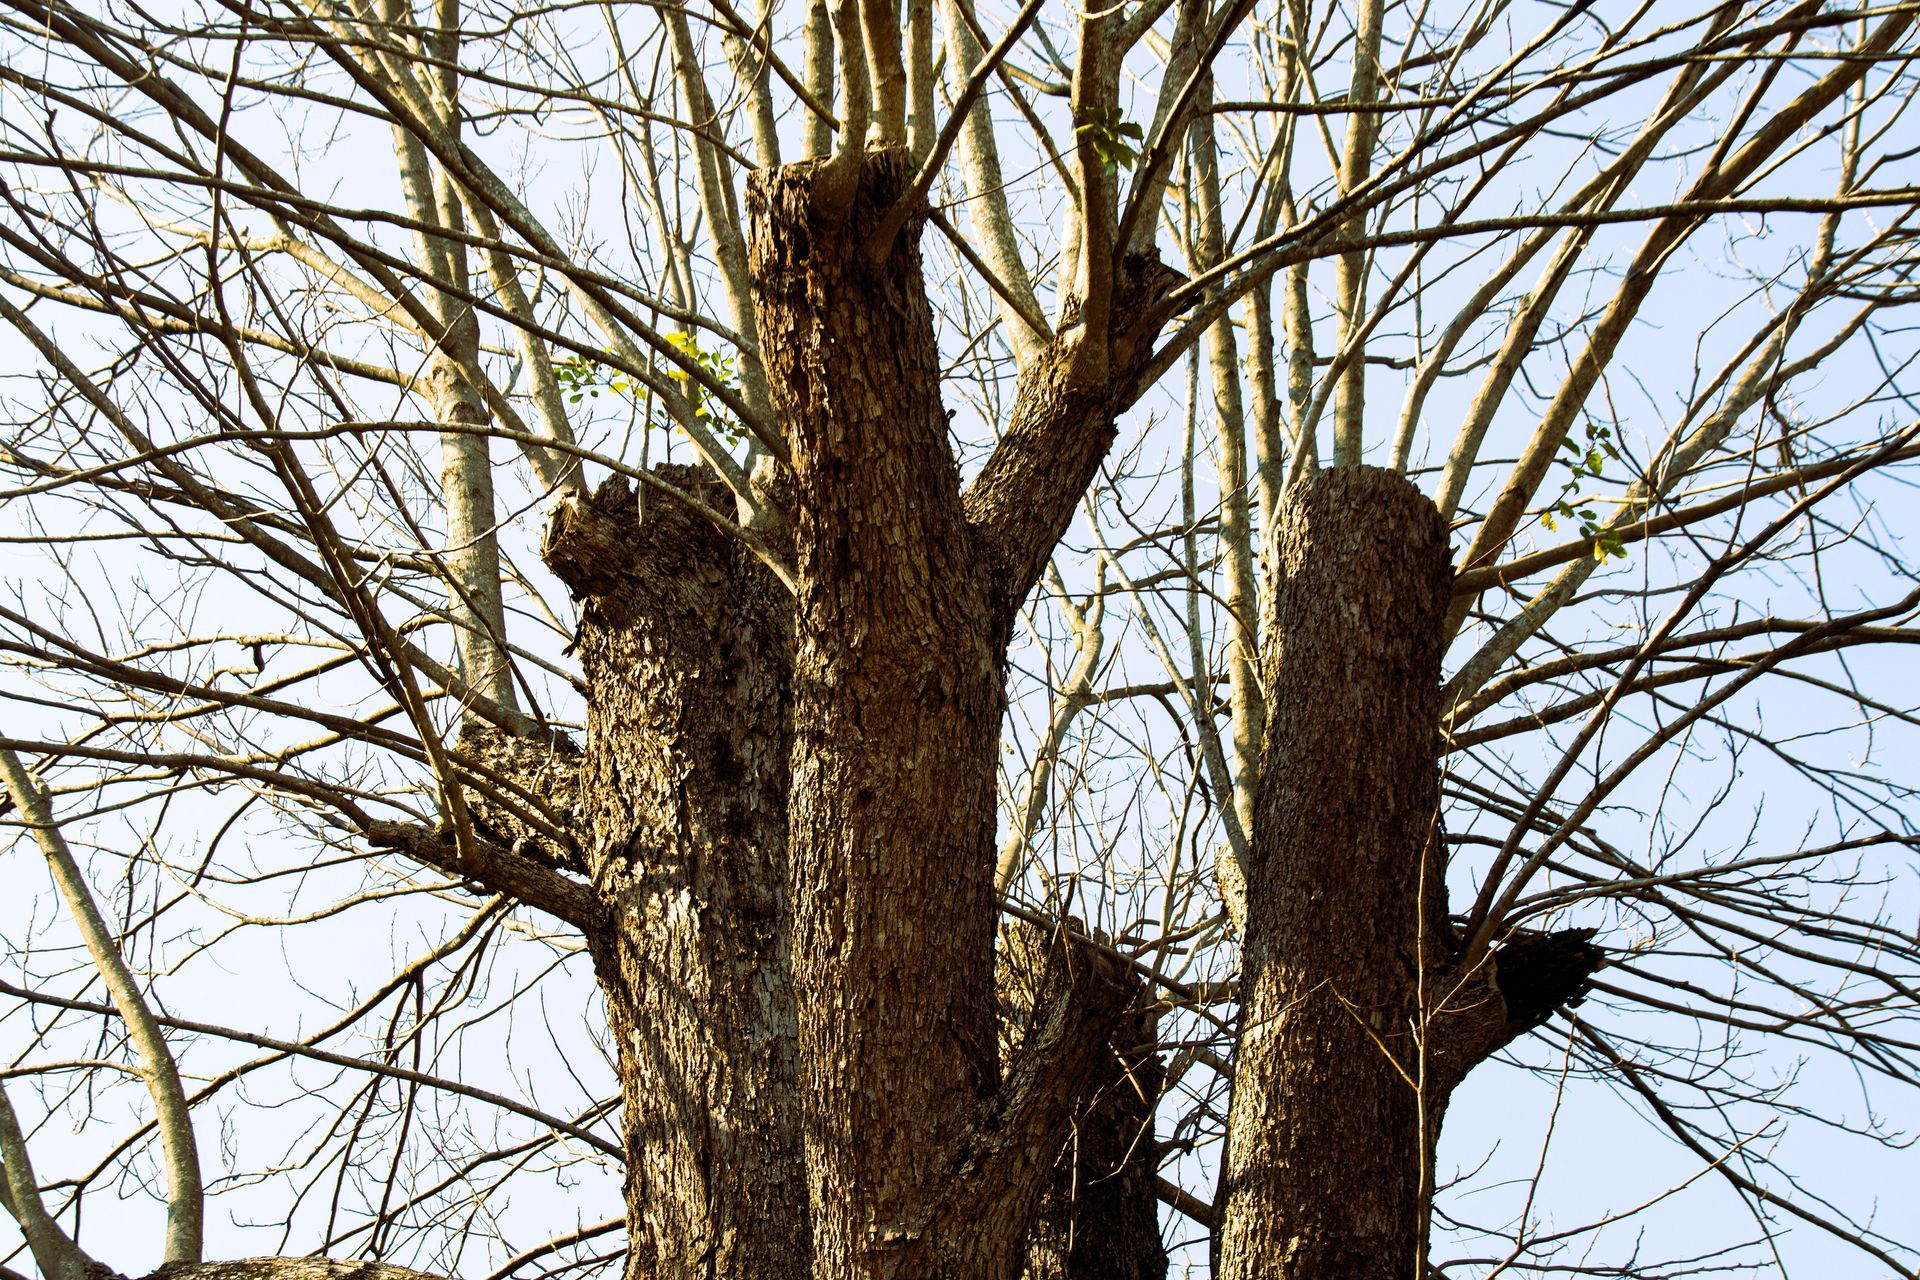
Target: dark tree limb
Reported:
point(1098, 1215)
point(493, 866)
point(1533, 975)
point(1071, 1023)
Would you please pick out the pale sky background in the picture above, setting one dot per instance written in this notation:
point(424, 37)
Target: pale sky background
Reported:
point(1604, 1158)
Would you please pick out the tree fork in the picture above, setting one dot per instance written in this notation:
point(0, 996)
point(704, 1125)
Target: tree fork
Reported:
point(922, 1161)
point(897, 706)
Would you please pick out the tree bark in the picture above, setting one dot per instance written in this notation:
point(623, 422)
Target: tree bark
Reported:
point(897, 705)
point(1327, 1152)
point(1099, 1218)
point(289, 1269)
point(1099, 1215)
point(923, 1158)
point(685, 641)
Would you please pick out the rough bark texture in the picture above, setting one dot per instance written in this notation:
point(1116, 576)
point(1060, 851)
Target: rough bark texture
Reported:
point(1079, 1002)
point(684, 640)
point(1099, 1215)
point(524, 794)
point(1326, 1156)
point(923, 1159)
point(897, 704)
point(778, 839)
point(290, 1269)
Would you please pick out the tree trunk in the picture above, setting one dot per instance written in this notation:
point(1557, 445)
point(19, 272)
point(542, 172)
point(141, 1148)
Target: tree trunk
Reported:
point(1327, 1155)
point(896, 722)
point(923, 1158)
point(1099, 1216)
point(785, 810)
point(685, 641)
point(786, 804)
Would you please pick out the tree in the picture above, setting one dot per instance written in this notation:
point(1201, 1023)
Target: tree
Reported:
point(832, 356)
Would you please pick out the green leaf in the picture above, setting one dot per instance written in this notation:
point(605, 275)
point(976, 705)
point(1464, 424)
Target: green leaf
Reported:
point(1111, 136)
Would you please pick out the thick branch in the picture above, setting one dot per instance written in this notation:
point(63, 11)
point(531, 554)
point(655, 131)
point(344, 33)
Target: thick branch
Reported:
point(1069, 998)
point(291, 1269)
point(1476, 1014)
point(495, 866)
point(1098, 1211)
point(1061, 429)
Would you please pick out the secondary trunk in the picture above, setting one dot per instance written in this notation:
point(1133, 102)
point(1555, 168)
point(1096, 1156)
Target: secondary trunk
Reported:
point(1327, 1155)
point(924, 1158)
point(1099, 1217)
point(685, 641)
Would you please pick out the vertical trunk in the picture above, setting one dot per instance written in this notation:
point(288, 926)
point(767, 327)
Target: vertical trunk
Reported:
point(685, 640)
point(1099, 1217)
point(1326, 1157)
point(896, 719)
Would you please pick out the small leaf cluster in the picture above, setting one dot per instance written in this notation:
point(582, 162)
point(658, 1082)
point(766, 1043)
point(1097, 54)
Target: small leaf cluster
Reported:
point(580, 377)
point(1114, 138)
point(584, 377)
point(719, 365)
point(1586, 461)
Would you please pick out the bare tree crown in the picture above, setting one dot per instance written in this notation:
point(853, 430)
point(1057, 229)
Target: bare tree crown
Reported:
point(857, 639)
